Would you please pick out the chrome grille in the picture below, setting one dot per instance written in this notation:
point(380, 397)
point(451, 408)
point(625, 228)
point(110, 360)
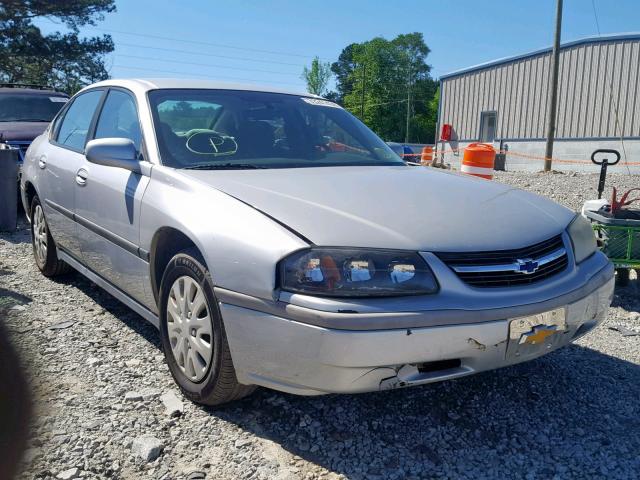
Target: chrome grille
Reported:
point(504, 268)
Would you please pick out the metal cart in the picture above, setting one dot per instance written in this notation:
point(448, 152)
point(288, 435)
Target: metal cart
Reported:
point(618, 231)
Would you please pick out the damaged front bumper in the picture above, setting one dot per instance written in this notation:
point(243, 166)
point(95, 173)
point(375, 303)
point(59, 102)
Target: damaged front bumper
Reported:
point(280, 352)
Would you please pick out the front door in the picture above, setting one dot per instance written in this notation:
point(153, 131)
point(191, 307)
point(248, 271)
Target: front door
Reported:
point(59, 163)
point(487, 127)
point(108, 204)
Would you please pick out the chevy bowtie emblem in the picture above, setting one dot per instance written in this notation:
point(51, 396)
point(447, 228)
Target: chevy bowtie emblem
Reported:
point(538, 334)
point(527, 265)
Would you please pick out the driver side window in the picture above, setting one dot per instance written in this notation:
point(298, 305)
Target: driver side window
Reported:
point(119, 118)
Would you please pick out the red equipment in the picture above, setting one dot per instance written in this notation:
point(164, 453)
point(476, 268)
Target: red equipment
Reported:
point(616, 205)
point(445, 134)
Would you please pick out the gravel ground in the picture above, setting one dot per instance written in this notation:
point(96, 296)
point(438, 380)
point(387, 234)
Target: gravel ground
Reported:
point(100, 386)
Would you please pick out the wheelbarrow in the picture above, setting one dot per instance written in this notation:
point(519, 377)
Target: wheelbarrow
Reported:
point(617, 226)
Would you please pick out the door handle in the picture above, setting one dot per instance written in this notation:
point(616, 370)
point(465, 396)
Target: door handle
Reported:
point(81, 177)
point(42, 161)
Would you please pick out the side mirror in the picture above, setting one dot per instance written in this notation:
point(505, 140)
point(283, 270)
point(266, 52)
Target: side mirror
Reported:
point(113, 152)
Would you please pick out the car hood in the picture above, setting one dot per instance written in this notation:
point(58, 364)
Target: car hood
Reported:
point(26, 131)
point(394, 207)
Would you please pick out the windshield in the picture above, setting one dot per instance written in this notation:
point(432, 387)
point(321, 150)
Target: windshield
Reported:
point(16, 107)
point(239, 129)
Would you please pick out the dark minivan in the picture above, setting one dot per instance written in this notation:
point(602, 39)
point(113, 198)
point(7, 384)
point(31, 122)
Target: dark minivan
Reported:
point(25, 112)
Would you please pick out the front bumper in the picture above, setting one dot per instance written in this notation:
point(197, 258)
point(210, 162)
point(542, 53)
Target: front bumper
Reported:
point(288, 355)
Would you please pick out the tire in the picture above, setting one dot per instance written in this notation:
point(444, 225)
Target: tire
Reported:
point(202, 379)
point(47, 259)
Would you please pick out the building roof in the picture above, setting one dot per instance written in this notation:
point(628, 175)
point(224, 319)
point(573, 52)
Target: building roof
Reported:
point(616, 37)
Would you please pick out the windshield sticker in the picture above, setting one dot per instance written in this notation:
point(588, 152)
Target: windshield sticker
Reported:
point(320, 102)
point(59, 99)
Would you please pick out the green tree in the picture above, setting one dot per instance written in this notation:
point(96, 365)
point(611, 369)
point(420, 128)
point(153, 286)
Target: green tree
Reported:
point(342, 69)
point(60, 60)
point(378, 78)
point(317, 76)
point(333, 96)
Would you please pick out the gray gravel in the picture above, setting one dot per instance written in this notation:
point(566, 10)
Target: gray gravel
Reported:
point(105, 405)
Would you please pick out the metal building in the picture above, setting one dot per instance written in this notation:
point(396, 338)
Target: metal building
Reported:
point(505, 102)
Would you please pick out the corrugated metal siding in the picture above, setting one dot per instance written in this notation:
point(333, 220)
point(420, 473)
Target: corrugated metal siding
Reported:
point(632, 121)
point(595, 81)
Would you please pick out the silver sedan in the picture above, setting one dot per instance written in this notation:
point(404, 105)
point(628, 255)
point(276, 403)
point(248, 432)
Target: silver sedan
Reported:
point(274, 240)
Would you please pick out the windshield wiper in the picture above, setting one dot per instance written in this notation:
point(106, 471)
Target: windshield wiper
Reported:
point(224, 166)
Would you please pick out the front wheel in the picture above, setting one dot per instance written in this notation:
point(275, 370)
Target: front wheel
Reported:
point(193, 337)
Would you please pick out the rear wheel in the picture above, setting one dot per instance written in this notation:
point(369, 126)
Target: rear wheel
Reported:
point(44, 248)
point(193, 337)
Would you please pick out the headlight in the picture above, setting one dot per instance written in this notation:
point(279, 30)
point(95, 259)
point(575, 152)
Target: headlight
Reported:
point(349, 272)
point(582, 237)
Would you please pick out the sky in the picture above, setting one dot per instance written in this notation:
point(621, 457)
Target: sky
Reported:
point(269, 42)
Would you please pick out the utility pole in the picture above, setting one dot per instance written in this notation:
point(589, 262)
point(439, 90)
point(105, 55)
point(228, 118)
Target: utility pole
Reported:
point(364, 83)
point(553, 94)
point(406, 133)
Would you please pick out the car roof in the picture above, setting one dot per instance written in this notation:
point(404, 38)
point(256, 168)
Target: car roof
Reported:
point(147, 84)
point(33, 91)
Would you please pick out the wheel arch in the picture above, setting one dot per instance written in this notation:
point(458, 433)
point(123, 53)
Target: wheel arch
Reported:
point(166, 242)
point(29, 192)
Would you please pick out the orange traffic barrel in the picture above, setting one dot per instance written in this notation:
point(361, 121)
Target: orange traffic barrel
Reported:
point(478, 160)
point(427, 155)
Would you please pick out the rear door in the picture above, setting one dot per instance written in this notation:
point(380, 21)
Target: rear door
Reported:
point(60, 161)
point(108, 203)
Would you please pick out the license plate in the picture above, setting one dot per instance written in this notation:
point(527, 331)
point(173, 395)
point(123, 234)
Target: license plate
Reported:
point(534, 334)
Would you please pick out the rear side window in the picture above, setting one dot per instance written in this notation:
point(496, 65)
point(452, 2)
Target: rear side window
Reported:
point(77, 120)
point(119, 118)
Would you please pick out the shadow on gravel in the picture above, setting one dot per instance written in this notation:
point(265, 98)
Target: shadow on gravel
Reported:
point(628, 297)
point(9, 299)
point(573, 412)
point(110, 304)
